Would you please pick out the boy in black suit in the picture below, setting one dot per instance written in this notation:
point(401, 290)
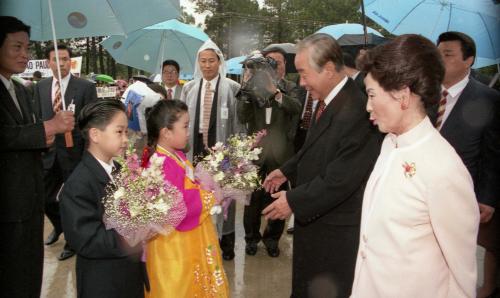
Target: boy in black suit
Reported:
point(105, 266)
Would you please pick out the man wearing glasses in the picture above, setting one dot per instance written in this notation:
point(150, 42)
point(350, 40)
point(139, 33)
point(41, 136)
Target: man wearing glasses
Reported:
point(170, 79)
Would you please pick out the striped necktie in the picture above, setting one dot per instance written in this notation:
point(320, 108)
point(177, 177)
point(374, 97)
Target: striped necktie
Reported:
point(57, 105)
point(306, 119)
point(321, 108)
point(207, 110)
point(441, 109)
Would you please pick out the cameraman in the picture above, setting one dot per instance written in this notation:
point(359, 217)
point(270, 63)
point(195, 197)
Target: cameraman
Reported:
point(273, 106)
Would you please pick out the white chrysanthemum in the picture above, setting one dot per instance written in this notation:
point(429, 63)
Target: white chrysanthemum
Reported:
point(119, 193)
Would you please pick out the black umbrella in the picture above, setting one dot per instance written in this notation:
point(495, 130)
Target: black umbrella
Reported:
point(289, 49)
point(360, 40)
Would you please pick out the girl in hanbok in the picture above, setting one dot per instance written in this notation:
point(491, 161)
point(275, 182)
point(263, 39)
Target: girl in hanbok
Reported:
point(187, 262)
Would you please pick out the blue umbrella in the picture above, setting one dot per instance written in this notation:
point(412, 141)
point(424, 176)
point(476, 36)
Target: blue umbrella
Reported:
point(74, 18)
point(234, 65)
point(336, 31)
point(479, 19)
point(147, 48)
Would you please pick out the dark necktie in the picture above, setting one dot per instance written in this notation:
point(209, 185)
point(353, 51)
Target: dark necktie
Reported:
point(441, 109)
point(306, 119)
point(321, 108)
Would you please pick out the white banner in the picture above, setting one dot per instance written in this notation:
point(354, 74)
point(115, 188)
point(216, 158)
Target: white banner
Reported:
point(103, 92)
point(43, 67)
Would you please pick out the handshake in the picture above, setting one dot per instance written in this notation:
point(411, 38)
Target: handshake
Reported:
point(62, 122)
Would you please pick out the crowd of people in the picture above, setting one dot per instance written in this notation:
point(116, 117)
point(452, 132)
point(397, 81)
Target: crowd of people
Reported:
point(386, 165)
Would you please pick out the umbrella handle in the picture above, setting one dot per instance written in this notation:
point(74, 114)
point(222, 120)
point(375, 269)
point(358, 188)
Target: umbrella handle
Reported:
point(68, 138)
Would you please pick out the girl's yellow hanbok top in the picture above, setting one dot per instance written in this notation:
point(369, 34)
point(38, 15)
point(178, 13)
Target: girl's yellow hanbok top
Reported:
point(187, 262)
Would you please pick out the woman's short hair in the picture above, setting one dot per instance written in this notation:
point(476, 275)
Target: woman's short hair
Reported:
point(409, 60)
point(322, 49)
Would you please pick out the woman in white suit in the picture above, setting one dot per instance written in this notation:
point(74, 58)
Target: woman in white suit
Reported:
point(420, 217)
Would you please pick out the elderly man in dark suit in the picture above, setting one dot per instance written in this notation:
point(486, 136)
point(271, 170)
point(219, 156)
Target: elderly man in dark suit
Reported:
point(60, 160)
point(468, 117)
point(277, 148)
point(23, 137)
point(331, 169)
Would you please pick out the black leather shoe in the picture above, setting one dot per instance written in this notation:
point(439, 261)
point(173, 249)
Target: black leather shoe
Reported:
point(66, 254)
point(273, 252)
point(251, 249)
point(289, 231)
point(228, 255)
point(53, 237)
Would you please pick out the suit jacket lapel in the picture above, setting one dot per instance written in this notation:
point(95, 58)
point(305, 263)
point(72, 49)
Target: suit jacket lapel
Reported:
point(46, 100)
point(318, 127)
point(69, 95)
point(454, 115)
point(24, 104)
point(10, 105)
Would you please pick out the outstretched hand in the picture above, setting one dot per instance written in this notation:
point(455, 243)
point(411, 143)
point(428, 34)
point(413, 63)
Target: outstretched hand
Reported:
point(274, 180)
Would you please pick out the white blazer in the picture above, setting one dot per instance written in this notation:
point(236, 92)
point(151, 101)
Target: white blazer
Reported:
point(419, 222)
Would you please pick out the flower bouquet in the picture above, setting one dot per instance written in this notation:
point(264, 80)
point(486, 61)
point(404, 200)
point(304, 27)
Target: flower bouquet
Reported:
point(228, 170)
point(139, 203)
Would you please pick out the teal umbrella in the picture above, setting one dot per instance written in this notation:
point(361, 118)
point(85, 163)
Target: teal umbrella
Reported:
point(86, 18)
point(147, 48)
point(235, 66)
point(480, 19)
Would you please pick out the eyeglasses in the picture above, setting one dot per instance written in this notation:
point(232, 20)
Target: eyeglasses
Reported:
point(173, 72)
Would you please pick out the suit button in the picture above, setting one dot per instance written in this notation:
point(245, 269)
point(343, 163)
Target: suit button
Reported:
point(365, 239)
point(363, 254)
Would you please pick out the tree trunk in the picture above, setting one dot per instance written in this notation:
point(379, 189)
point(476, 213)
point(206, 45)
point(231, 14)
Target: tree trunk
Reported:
point(87, 56)
point(94, 55)
point(101, 57)
point(129, 72)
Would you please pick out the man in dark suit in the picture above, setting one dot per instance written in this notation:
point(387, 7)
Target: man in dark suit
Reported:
point(331, 169)
point(351, 71)
point(277, 147)
point(468, 117)
point(23, 137)
point(60, 160)
point(170, 78)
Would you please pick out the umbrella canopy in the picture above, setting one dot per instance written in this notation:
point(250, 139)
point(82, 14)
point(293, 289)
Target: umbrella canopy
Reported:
point(338, 30)
point(147, 48)
point(104, 78)
point(234, 65)
point(359, 40)
point(480, 19)
point(290, 51)
point(90, 17)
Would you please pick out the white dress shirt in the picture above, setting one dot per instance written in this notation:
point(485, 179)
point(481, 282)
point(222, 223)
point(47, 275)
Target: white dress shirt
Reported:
point(65, 82)
point(108, 167)
point(454, 93)
point(213, 84)
point(335, 91)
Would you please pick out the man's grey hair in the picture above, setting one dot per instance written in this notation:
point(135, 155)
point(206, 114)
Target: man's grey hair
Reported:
point(322, 48)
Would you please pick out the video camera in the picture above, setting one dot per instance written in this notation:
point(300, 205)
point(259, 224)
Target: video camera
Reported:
point(259, 80)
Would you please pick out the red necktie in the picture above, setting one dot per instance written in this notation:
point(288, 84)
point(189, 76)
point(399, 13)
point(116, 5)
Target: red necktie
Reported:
point(169, 93)
point(321, 108)
point(306, 119)
point(441, 109)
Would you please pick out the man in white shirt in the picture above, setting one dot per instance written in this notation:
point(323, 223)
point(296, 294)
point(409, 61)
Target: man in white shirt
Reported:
point(331, 170)
point(468, 117)
point(170, 78)
point(60, 160)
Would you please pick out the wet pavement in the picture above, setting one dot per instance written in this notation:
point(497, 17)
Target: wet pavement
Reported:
point(249, 276)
